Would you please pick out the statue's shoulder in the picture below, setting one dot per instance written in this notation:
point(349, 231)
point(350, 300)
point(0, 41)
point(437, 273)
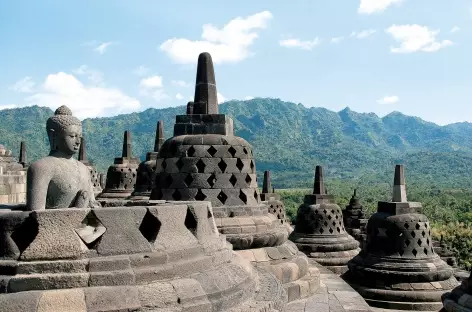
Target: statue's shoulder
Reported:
point(44, 165)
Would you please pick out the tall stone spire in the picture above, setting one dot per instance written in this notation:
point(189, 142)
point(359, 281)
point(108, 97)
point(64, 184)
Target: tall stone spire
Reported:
point(127, 153)
point(399, 190)
point(82, 151)
point(266, 184)
point(205, 100)
point(159, 140)
point(319, 187)
point(22, 159)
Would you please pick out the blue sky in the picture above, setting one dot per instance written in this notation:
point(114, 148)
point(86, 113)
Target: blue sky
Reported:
point(107, 57)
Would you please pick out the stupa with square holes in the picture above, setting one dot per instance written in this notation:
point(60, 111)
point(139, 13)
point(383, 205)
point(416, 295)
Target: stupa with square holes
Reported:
point(398, 268)
point(205, 161)
point(319, 229)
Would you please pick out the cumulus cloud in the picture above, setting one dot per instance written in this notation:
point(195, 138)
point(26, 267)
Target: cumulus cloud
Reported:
point(152, 87)
point(179, 96)
point(94, 76)
point(389, 99)
point(8, 106)
point(221, 98)
point(301, 44)
point(228, 44)
point(337, 39)
point(375, 6)
point(416, 38)
point(363, 34)
point(247, 98)
point(180, 83)
point(141, 71)
point(454, 29)
point(151, 82)
point(24, 85)
point(85, 101)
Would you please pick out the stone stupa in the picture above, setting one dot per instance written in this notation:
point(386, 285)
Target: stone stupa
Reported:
point(354, 219)
point(146, 173)
point(94, 174)
point(398, 268)
point(22, 160)
point(205, 161)
point(121, 176)
point(319, 229)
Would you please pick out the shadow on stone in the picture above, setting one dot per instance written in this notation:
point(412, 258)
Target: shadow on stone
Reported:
point(150, 227)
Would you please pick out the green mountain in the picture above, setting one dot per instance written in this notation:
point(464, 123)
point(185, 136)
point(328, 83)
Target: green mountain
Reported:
point(287, 138)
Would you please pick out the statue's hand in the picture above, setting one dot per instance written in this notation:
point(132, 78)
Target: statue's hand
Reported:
point(81, 200)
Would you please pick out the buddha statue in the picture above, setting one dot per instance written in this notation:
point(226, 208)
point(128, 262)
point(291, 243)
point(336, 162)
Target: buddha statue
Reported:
point(59, 180)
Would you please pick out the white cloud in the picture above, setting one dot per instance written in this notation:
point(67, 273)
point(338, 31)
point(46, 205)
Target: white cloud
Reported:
point(180, 83)
point(141, 71)
point(179, 96)
point(337, 39)
point(24, 85)
point(220, 97)
point(415, 38)
point(389, 99)
point(454, 29)
point(85, 101)
point(247, 98)
point(8, 106)
point(101, 49)
point(228, 44)
point(151, 82)
point(93, 75)
point(363, 34)
point(297, 43)
point(375, 6)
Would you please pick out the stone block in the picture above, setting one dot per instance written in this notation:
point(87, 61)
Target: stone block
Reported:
point(112, 278)
point(20, 283)
point(158, 295)
point(114, 263)
point(188, 290)
point(51, 267)
point(70, 300)
point(119, 298)
point(21, 302)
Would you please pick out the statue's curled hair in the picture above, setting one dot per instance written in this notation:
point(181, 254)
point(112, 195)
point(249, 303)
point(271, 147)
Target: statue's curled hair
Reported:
point(61, 120)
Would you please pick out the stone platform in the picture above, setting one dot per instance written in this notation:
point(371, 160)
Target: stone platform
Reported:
point(165, 257)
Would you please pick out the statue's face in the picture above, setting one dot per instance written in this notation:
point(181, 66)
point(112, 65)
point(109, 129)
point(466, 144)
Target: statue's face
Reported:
point(68, 141)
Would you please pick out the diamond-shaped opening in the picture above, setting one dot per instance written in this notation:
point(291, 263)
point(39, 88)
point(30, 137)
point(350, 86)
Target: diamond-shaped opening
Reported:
point(222, 165)
point(425, 250)
point(406, 225)
point(233, 180)
point(200, 196)
point(337, 217)
point(191, 151)
point(413, 234)
point(256, 196)
point(188, 179)
point(222, 197)
point(176, 195)
point(232, 151)
point(169, 181)
point(334, 223)
point(330, 217)
point(407, 242)
point(425, 225)
point(316, 212)
point(414, 252)
point(212, 151)
point(179, 164)
point(331, 230)
point(239, 164)
point(91, 230)
point(191, 222)
point(24, 234)
point(164, 164)
point(211, 180)
point(338, 229)
point(419, 242)
point(248, 179)
point(244, 150)
point(150, 227)
point(200, 166)
point(325, 212)
point(423, 233)
point(418, 226)
point(325, 223)
point(252, 165)
point(321, 230)
point(427, 241)
point(243, 197)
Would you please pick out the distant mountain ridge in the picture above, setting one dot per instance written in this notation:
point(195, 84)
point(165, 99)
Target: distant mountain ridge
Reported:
point(287, 138)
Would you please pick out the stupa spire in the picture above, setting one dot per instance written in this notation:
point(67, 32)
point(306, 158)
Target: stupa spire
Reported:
point(399, 190)
point(22, 159)
point(82, 150)
point(267, 184)
point(159, 136)
point(127, 153)
point(319, 187)
point(205, 99)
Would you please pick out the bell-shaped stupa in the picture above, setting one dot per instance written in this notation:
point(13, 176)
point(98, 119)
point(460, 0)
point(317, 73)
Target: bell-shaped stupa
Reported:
point(205, 161)
point(354, 219)
point(319, 229)
point(121, 176)
point(94, 174)
point(398, 268)
point(146, 174)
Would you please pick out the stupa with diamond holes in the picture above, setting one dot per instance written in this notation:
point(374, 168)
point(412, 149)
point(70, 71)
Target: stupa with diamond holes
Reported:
point(448, 255)
point(398, 268)
point(354, 219)
point(94, 174)
point(146, 174)
point(319, 229)
point(204, 161)
point(276, 206)
point(121, 176)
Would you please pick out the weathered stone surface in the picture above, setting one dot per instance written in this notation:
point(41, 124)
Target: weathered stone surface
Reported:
point(71, 300)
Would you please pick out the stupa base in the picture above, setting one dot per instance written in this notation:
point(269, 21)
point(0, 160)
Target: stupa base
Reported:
point(335, 261)
point(459, 299)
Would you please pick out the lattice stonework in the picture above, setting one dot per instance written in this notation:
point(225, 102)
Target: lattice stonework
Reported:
point(325, 219)
point(121, 178)
point(224, 174)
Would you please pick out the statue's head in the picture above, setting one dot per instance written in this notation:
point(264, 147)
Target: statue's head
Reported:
point(64, 131)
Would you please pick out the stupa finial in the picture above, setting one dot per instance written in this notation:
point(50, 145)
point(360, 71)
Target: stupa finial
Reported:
point(205, 99)
point(399, 190)
point(127, 153)
point(82, 150)
point(22, 159)
point(319, 187)
point(159, 136)
point(267, 184)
